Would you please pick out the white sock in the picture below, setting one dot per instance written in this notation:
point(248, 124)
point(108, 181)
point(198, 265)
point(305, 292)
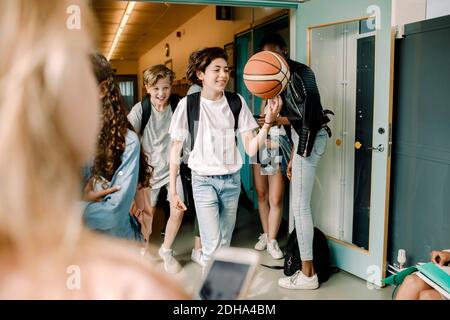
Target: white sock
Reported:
point(164, 250)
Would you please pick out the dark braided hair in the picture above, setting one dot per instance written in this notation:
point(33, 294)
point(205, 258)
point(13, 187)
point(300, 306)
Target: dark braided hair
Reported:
point(111, 140)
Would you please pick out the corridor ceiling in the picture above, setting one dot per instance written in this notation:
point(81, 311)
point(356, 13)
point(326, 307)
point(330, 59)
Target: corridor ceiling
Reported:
point(148, 24)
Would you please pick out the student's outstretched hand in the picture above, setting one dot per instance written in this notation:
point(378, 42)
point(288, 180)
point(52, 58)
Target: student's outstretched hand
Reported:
point(95, 196)
point(440, 257)
point(177, 203)
point(273, 109)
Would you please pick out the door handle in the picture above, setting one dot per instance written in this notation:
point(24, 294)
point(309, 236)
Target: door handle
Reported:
point(380, 148)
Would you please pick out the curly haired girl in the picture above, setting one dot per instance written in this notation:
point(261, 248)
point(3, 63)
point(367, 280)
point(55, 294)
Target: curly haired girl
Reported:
point(119, 164)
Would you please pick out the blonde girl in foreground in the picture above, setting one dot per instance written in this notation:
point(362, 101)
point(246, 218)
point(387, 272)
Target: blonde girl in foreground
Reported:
point(49, 119)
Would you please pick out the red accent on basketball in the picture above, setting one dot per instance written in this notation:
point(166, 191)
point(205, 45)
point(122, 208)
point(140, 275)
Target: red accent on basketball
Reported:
point(266, 74)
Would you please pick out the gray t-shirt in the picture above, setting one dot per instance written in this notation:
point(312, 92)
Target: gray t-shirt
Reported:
point(155, 141)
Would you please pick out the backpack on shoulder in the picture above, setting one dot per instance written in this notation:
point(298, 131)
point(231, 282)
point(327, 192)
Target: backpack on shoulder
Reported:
point(193, 112)
point(185, 172)
point(193, 115)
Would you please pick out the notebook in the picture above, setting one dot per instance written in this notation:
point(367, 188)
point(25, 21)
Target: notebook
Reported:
point(436, 276)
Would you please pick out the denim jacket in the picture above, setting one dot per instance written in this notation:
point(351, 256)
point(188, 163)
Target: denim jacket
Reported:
point(112, 214)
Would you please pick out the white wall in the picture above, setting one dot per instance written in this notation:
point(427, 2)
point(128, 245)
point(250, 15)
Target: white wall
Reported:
point(408, 11)
point(437, 8)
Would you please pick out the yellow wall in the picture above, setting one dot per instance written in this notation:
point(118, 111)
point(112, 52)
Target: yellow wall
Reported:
point(125, 66)
point(203, 30)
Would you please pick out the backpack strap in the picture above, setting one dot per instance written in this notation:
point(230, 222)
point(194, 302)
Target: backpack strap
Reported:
point(173, 100)
point(327, 129)
point(146, 112)
point(193, 115)
point(326, 119)
point(235, 103)
point(193, 111)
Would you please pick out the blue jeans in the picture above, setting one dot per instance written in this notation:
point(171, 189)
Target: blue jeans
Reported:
point(216, 201)
point(303, 176)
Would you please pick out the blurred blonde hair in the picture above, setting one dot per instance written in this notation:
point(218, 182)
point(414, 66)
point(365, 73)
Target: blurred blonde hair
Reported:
point(39, 169)
point(41, 231)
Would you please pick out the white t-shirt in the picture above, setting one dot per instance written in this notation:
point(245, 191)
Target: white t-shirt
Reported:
point(215, 151)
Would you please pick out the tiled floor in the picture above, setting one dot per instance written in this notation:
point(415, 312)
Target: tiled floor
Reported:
point(341, 286)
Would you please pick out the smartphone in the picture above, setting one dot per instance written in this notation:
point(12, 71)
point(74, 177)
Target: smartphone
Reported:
point(258, 116)
point(229, 274)
point(100, 183)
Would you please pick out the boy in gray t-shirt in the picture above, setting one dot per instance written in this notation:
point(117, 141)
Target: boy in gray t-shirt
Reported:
point(156, 144)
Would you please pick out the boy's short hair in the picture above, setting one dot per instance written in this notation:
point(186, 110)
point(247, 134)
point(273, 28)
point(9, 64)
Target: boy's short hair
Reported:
point(272, 38)
point(156, 72)
point(202, 58)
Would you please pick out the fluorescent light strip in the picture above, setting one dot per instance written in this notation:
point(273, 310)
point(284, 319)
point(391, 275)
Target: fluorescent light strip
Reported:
point(122, 25)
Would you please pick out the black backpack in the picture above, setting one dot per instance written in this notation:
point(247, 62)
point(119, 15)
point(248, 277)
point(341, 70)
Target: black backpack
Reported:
point(321, 254)
point(193, 114)
point(193, 111)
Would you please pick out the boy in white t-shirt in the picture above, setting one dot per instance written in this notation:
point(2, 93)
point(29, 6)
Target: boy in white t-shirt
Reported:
point(215, 159)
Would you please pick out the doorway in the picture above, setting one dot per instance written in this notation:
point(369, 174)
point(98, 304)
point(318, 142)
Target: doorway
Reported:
point(129, 88)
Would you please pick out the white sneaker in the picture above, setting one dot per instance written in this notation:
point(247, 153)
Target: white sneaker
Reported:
point(299, 281)
point(262, 243)
point(274, 250)
point(171, 265)
point(196, 256)
point(143, 251)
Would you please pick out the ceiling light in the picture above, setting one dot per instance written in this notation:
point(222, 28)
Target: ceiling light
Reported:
point(123, 23)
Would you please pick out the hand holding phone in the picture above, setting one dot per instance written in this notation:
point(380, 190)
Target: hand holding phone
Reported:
point(229, 274)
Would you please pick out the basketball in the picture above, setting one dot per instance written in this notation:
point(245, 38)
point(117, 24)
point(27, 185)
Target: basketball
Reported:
point(266, 74)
